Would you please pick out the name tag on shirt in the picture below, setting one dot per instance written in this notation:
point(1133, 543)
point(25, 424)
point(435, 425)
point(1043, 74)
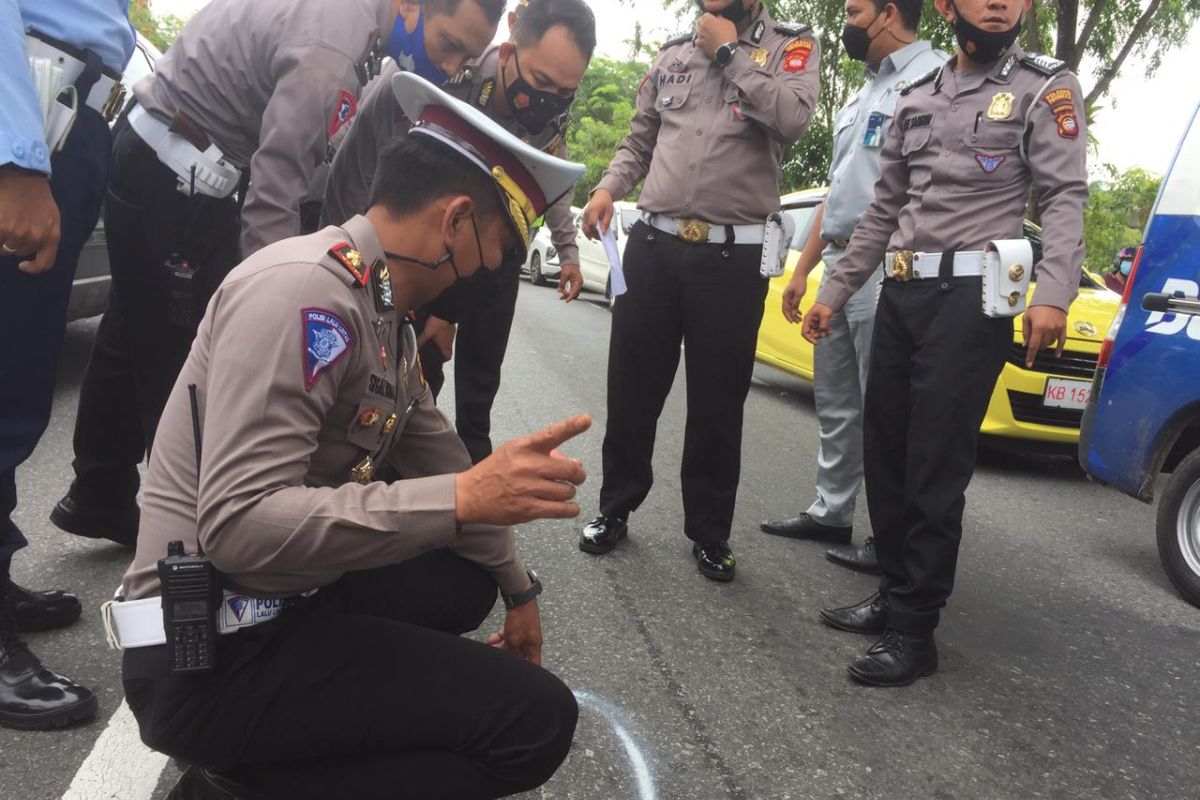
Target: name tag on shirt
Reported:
point(873, 137)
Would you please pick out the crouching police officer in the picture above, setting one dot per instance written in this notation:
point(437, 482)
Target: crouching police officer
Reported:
point(342, 674)
point(714, 115)
point(967, 143)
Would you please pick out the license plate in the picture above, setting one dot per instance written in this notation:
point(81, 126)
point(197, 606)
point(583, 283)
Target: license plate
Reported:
point(1064, 393)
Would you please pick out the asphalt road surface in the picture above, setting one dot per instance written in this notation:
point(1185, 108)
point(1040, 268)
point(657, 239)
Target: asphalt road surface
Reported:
point(1068, 666)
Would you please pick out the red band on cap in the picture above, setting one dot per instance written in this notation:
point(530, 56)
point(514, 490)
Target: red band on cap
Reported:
point(493, 153)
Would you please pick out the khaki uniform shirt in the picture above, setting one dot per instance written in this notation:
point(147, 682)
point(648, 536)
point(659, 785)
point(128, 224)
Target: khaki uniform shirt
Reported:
point(709, 140)
point(379, 119)
point(269, 81)
point(957, 167)
point(302, 372)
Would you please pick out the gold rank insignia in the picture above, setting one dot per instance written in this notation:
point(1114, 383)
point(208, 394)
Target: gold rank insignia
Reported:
point(363, 471)
point(759, 56)
point(369, 418)
point(390, 425)
point(351, 260)
point(485, 92)
point(1001, 106)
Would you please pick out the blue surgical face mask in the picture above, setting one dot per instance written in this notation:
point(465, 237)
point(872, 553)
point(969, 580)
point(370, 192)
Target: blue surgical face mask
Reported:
point(1125, 267)
point(409, 51)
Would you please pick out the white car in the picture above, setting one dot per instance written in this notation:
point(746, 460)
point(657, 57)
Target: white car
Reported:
point(542, 261)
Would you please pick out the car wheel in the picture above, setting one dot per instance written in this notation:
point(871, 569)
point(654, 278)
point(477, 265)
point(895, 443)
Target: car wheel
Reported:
point(535, 269)
point(1179, 528)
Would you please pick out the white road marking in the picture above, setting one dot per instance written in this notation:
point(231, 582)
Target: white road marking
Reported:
point(615, 719)
point(119, 767)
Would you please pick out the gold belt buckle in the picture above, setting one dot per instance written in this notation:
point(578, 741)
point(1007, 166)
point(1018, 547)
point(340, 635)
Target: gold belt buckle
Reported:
point(902, 261)
point(116, 99)
point(693, 231)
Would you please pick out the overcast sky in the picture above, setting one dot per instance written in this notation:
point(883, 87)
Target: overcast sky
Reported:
point(1140, 127)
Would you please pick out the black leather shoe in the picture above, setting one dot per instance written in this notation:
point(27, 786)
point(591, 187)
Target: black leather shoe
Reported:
point(897, 659)
point(715, 560)
point(93, 523)
point(805, 527)
point(201, 784)
point(869, 616)
point(41, 611)
point(859, 559)
point(602, 534)
point(31, 696)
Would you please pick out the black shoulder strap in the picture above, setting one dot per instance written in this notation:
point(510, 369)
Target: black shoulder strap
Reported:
point(678, 38)
point(1043, 64)
point(921, 79)
point(792, 28)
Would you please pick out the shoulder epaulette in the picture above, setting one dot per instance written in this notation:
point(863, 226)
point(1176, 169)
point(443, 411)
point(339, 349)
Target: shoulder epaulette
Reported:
point(792, 28)
point(352, 261)
point(462, 76)
point(678, 38)
point(1046, 65)
point(920, 79)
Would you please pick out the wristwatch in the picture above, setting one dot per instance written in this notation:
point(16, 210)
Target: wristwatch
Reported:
point(724, 53)
point(511, 601)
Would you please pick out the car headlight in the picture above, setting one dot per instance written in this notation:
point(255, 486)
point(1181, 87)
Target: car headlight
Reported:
point(550, 251)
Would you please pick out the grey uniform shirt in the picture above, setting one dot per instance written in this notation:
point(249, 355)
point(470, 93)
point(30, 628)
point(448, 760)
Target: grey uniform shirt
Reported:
point(379, 119)
point(302, 371)
point(709, 140)
point(957, 166)
point(269, 81)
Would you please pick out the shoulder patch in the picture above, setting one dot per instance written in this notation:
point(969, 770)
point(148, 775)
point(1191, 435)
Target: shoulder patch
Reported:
point(352, 261)
point(920, 79)
point(343, 111)
point(678, 38)
point(792, 28)
point(1046, 65)
point(326, 338)
point(796, 54)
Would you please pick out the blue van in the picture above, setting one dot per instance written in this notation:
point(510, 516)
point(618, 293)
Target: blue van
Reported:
point(1143, 416)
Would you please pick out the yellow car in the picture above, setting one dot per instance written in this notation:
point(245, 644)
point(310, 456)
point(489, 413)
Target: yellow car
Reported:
point(1045, 403)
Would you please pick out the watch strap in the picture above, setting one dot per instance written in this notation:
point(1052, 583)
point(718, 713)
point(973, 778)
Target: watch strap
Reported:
point(512, 601)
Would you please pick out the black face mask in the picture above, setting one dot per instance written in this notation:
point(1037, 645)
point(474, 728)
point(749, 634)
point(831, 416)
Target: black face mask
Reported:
point(983, 47)
point(433, 265)
point(857, 41)
point(735, 12)
point(531, 107)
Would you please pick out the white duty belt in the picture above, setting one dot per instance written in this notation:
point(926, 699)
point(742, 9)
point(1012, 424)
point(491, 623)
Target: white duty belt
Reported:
point(910, 265)
point(106, 94)
point(198, 171)
point(139, 623)
point(696, 231)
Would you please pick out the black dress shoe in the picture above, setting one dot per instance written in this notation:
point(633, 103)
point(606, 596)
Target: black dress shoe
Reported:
point(94, 523)
point(40, 611)
point(715, 560)
point(602, 534)
point(869, 616)
point(859, 559)
point(897, 659)
point(805, 527)
point(201, 784)
point(31, 696)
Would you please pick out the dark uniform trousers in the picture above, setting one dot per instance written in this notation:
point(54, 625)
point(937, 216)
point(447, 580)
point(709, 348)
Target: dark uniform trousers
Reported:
point(33, 310)
point(934, 364)
point(141, 346)
point(483, 306)
point(365, 690)
point(710, 298)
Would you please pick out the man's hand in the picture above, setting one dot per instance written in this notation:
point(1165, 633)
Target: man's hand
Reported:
point(792, 296)
point(1043, 326)
point(570, 282)
point(522, 633)
point(29, 223)
point(442, 334)
point(713, 31)
point(524, 479)
point(816, 323)
point(599, 211)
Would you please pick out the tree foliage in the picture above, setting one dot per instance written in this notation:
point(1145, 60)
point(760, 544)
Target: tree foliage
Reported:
point(160, 30)
point(1116, 214)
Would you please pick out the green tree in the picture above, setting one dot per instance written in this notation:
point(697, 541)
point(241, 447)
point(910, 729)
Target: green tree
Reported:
point(1116, 214)
point(160, 30)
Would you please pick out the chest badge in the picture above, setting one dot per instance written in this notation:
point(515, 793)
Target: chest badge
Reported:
point(363, 471)
point(384, 300)
point(676, 65)
point(390, 425)
point(369, 418)
point(1001, 106)
point(759, 56)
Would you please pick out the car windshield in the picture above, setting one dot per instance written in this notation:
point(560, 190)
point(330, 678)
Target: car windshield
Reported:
point(803, 216)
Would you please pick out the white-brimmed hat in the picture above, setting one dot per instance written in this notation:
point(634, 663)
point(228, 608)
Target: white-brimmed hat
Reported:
point(528, 180)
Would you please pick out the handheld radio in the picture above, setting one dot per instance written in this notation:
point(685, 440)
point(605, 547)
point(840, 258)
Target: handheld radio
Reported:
point(191, 594)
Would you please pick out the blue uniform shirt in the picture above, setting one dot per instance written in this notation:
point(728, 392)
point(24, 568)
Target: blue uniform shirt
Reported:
point(101, 26)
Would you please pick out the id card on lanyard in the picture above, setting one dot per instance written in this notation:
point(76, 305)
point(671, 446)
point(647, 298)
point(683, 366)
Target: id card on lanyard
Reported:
point(873, 136)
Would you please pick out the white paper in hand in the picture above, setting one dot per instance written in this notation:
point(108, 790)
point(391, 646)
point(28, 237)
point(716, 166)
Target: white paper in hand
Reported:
point(609, 240)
